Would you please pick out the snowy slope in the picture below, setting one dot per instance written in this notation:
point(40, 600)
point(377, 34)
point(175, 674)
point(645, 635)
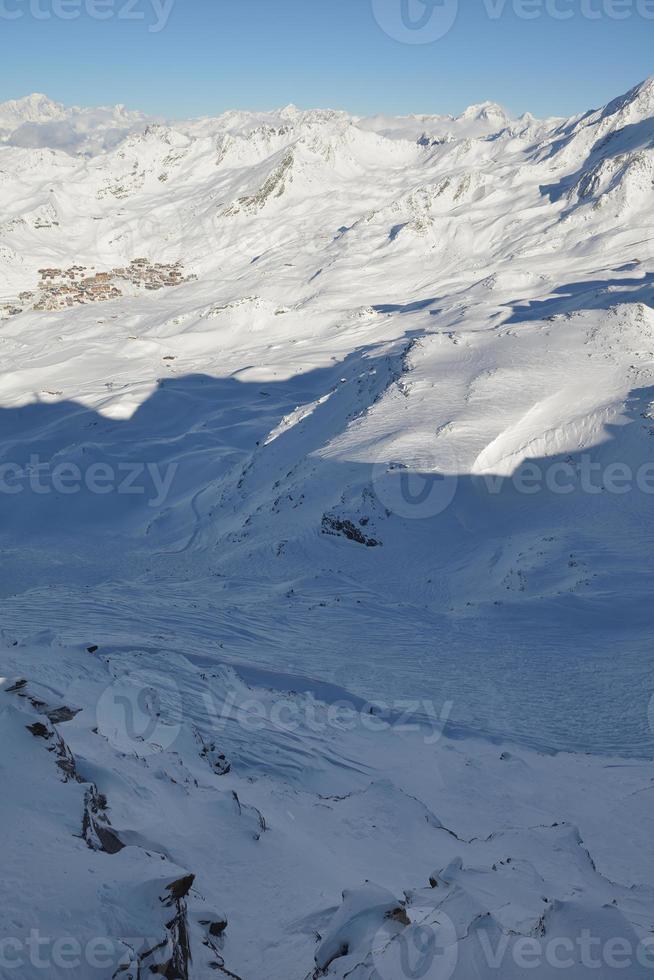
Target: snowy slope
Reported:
point(297, 404)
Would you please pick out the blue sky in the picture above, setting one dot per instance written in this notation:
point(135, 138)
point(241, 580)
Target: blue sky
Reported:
point(218, 54)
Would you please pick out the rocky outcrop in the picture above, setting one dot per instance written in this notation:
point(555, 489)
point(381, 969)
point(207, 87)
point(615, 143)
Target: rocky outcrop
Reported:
point(337, 526)
point(96, 826)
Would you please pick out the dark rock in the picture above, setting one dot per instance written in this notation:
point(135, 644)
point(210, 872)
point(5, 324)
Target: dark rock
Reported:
point(18, 686)
point(180, 888)
point(215, 928)
point(96, 827)
point(39, 730)
point(339, 526)
point(59, 715)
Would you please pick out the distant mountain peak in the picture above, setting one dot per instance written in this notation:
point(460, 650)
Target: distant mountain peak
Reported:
point(484, 111)
point(35, 121)
point(36, 107)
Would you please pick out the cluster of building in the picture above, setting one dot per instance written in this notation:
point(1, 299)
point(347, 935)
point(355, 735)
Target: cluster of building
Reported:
point(62, 288)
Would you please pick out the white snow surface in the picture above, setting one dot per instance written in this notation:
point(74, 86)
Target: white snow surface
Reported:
point(309, 634)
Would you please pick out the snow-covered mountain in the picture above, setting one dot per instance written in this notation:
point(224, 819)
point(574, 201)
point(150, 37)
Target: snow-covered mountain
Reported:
point(36, 121)
point(327, 481)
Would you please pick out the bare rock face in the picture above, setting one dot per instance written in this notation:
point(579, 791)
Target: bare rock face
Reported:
point(39, 730)
point(212, 754)
point(216, 928)
point(178, 889)
point(342, 527)
point(177, 945)
point(96, 826)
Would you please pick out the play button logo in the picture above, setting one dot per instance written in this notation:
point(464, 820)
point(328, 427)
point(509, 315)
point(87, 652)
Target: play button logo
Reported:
point(416, 21)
